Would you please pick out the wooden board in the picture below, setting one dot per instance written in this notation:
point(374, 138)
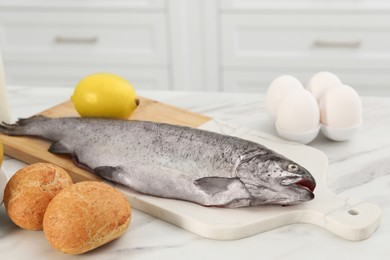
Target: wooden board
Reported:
point(348, 218)
point(32, 150)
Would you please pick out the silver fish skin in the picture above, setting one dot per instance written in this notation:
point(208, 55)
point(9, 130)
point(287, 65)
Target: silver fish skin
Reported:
point(175, 162)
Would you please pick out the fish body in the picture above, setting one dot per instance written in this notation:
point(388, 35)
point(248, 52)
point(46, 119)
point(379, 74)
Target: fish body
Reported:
point(174, 161)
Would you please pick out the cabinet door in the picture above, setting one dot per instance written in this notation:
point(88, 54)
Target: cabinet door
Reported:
point(366, 83)
point(352, 41)
point(84, 37)
point(303, 5)
point(51, 76)
point(88, 5)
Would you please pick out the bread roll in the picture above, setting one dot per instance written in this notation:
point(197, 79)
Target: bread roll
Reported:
point(85, 216)
point(30, 190)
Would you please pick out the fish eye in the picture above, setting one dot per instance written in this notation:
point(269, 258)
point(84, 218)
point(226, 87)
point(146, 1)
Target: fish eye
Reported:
point(292, 167)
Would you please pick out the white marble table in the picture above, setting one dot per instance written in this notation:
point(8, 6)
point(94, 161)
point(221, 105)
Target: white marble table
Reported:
point(359, 168)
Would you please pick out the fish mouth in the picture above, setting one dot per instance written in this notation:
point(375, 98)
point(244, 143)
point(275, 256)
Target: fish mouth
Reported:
point(306, 184)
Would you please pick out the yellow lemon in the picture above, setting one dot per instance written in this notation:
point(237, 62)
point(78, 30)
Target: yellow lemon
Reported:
point(104, 95)
point(1, 153)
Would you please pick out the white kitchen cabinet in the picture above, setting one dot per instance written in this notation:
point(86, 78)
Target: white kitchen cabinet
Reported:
point(258, 80)
point(264, 39)
point(97, 37)
point(54, 43)
point(128, 5)
point(209, 45)
point(306, 41)
point(304, 5)
point(68, 76)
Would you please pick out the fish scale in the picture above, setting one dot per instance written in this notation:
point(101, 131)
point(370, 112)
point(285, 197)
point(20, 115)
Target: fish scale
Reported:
point(174, 161)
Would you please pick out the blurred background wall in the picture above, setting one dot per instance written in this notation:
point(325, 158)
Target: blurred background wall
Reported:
point(198, 45)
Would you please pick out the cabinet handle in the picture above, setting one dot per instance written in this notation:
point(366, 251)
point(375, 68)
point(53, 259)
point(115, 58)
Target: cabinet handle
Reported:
point(76, 40)
point(337, 44)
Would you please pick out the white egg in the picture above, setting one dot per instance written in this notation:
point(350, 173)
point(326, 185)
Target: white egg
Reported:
point(341, 108)
point(299, 112)
point(322, 82)
point(278, 89)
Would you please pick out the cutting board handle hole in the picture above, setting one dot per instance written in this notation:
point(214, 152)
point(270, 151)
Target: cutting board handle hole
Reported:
point(353, 212)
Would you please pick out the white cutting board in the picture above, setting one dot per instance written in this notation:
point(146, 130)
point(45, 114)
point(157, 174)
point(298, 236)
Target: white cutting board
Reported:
point(346, 217)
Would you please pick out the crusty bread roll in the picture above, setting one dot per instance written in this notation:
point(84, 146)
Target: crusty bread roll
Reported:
point(85, 216)
point(30, 190)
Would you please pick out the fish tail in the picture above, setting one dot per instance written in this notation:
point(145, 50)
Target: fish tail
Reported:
point(21, 126)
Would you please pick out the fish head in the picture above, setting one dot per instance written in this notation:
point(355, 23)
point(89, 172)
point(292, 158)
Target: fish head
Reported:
point(274, 179)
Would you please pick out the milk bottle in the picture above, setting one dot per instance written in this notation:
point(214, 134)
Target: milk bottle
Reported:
point(4, 110)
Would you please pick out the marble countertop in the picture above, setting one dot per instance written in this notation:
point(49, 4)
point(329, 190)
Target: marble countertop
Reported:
point(358, 168)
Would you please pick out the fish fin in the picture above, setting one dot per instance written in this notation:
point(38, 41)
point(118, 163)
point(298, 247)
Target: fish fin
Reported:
point(59, 148)
point(108, 172)
point(238, 203)
point(214, 185)
point(80, 164)
point(21, 126)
